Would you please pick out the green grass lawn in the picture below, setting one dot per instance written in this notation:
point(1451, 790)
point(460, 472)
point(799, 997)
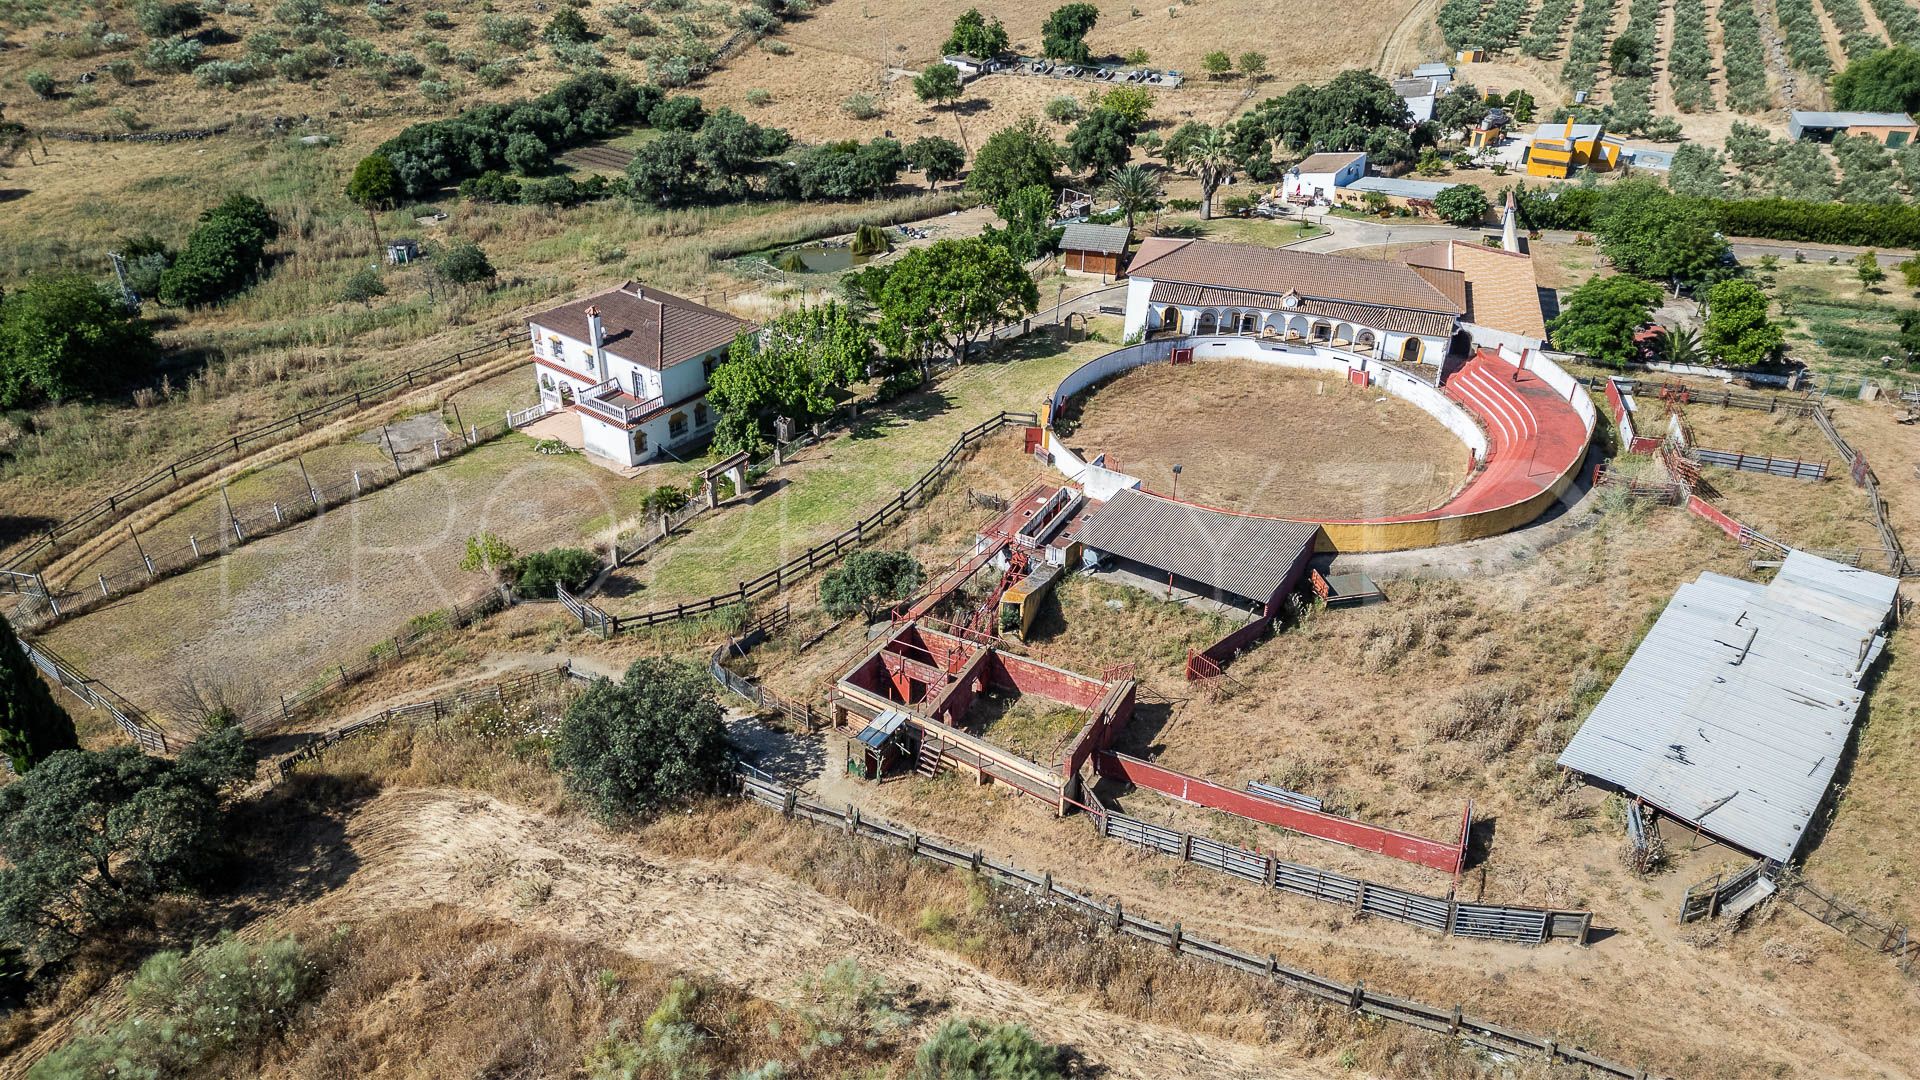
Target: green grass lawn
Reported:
point(836, 484)
point(1258, 231)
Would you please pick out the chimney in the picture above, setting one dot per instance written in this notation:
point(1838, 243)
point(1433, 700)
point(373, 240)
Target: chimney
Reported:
point(1510, 226)
point(597, 337)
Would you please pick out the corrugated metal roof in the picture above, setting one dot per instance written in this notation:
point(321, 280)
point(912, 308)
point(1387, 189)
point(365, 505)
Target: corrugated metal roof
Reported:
point(1324, 163)
point(1105, 239)
point(1244, 556)
point(1806, 118)
point(1735, 710)
point(1394, 185)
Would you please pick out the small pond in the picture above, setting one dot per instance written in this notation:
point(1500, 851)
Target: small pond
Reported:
point(817, 259)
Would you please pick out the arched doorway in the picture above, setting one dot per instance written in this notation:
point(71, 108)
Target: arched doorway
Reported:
point(1365, 342)
point(1410, 351)
point(1170, 320)
point(1209, 323)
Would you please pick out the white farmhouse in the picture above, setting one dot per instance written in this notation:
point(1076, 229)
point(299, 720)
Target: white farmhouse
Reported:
point(1318, 176)
point(633, 362)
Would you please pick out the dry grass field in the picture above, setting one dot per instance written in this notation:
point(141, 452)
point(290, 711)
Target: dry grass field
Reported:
point(1249, 436)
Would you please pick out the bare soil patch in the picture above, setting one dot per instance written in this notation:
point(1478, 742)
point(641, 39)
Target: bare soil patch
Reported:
point(1249, 436)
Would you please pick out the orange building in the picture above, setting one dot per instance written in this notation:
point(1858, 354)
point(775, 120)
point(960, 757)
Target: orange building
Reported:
point(1558, 153)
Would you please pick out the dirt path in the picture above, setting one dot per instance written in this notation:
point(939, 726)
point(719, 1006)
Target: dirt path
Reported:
point(1404, 48)
point(744, 927)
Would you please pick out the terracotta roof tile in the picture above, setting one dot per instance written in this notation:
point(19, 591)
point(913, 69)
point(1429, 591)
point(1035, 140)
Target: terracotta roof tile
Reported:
point(1279, 270)
point(646, 326)
point(1502, 292)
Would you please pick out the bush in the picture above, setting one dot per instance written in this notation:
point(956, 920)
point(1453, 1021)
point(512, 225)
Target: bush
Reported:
point(861, 107)
point(41, 84)
point(652, 739)
point(1064, 110)
point(974, 1050)
point(362, 286)
point(681, 112)
point(232, 998)
point(870, 579)
point(159, 19)
point(222, 254)
point(759, 96)
point(537, 573)
point(225, 73)
point(463, 263)
point(173, 55)
point(512, 33)
point(437, 20)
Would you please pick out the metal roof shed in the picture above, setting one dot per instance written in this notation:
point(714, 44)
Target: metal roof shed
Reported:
point(1240, 555)
point(1734, 711)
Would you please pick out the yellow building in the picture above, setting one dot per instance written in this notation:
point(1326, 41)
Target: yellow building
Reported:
point(1558, 154)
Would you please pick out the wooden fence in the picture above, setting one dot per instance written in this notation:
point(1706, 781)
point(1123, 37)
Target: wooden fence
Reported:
point(116, 505)
point(1790, 468)
point(240, 526)
point(530, 690)
point(1880, 935)
point(1681, 394)
point(824, 555)
point(1703, 901)
point(1439, 914)
point(1435, 854)
point(1452, 1022)
point(131, 720)
point(1863, 476)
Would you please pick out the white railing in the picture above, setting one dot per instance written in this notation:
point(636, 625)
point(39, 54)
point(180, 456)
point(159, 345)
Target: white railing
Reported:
point(594, 398)
point(519, 418)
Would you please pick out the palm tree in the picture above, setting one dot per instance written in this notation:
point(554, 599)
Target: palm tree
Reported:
point(1679, 345)
point(1134, 189)
point(1204, 153)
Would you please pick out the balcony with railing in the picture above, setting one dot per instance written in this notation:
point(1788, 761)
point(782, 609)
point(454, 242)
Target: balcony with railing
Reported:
point(609, 402)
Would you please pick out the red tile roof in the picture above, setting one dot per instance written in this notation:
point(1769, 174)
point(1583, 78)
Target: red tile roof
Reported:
point(1278, 271)
point(646, 326)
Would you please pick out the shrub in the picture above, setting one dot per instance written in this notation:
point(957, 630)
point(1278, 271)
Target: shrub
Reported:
point(1064, 110)
point(759, 96)
point(681, 112)
point(222, 254)
point(974, 1050)
point(159, 19)
point(654, 738)
point(1543, 33)
point(173, 55)
point(513, 33)
point(362, 286)
point(537, 573)
point(869, 579)
point(234, 997)
point(438, 20)
point(122, 71)
point(497, 74)
point(463, 263)
point(225, 73)
point(566, 26)
point(861, 107)
point(41, 84)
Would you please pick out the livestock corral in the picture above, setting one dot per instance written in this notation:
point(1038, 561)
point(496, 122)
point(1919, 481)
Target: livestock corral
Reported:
point(1358, 752)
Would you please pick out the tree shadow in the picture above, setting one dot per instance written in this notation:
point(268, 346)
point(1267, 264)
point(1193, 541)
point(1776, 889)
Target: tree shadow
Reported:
point(918, 406)
point(8, 195)
point(15, 528)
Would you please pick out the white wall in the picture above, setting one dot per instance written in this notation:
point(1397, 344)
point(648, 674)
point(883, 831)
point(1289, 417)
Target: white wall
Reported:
point(1501, 339)
point(606, 440)
point(1138, 290)
point(1426, 398)
point(1572, 390)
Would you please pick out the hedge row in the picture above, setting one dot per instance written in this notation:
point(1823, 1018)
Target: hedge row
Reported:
point(1806, 40)
point(1544, 36)
point(1847, 17)
point(1588, 44)
point(1501, 25)
point(1901, 21)
point(1690, 60)
point(1745, 57)
point(1886, 226)
point(1458, 20)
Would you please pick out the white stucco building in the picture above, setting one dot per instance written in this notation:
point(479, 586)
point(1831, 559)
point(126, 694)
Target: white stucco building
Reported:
point(1318, 176)
point(1389, 310)
point(633, 363)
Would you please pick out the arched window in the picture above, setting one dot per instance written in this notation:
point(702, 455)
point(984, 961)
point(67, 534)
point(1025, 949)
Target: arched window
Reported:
point(1209, 323)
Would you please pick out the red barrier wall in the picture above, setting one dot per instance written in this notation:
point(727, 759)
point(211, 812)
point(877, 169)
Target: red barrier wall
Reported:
point(1446, 858)
point(1705, 509)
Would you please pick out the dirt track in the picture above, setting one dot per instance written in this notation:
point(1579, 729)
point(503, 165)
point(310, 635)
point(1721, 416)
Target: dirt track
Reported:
point(751, 929)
